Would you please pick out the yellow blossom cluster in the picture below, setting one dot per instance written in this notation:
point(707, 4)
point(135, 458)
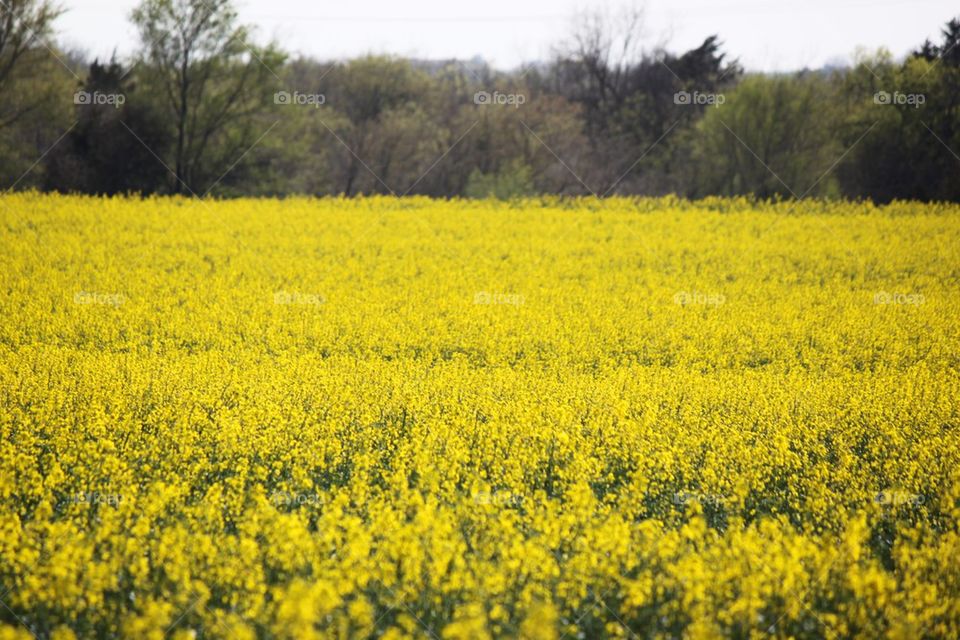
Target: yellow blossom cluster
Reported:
point(416, 418)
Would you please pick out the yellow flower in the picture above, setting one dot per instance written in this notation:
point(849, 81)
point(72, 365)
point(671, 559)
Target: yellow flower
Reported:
point(406, 417)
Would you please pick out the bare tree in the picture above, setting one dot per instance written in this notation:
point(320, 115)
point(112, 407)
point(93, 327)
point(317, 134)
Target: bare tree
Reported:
point(608, 44)
point(211, 79)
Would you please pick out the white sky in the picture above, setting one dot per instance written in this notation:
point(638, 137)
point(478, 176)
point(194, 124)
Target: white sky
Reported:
point(764, 34)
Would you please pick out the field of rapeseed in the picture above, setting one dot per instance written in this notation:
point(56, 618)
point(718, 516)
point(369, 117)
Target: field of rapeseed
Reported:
point(409, 418)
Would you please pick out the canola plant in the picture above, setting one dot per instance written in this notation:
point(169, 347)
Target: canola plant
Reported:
point(414, 418)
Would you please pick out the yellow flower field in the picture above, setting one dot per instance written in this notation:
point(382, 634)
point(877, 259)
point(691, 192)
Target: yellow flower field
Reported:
point(410, 418)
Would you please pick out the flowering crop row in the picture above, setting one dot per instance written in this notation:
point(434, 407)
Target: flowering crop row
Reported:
point(411, 418)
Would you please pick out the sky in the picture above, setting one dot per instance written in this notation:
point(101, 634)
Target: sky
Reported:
point(766, 35)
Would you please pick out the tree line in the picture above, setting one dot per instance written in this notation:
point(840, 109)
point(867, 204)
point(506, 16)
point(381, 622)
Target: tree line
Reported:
point(201, 109)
